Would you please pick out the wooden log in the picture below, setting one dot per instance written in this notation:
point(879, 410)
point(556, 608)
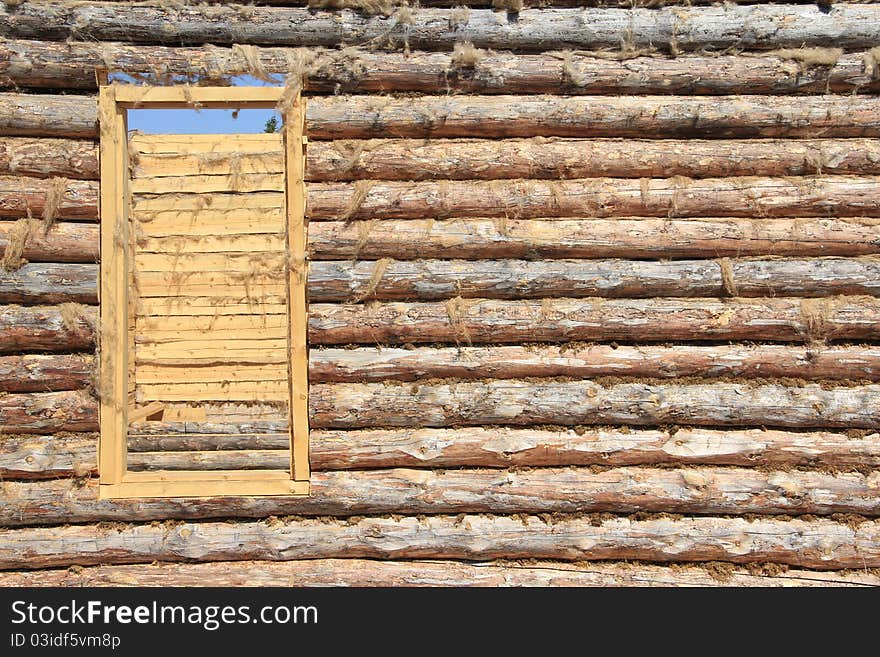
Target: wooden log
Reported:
point(820, 544)
point(65, 455)
point(666, 117)
point(366, 364)
point(517, 279)
point(703, 490)
point(494, 322)
point(620, 320)
point(41, 457)
point(760, 27)
point(65, 241)
point(370, 572)
point(71, 65)
point(44, 373)
point(500, 447)
point(593, 238)
point(518, 403)
point(45, 329)
point(478, 239)
point(48, 116)
point(397, 159)
point(20, 196)
point(492, 279)
point(48, 158)
point(560, 158)
point(833, 196)
point(47, 412)
point(584, 402)
point(50, 283)
point(350, 117)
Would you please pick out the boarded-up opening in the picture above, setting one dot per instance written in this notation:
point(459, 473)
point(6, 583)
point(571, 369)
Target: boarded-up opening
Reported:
point(202, 303)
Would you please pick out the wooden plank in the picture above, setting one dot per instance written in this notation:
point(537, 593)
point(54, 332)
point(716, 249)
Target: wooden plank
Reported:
point(113, 367)
point(296, 248)
point(135, 414)
point(264, 333)
point(183, 325)
point(223, 160)
point(208, 306)
point(204, 488)
point(147, 373)
point(202, 184)
point(216, 201)
point(266, 243)
point(217, 348)
point(184, 414)
point(220, 262)
point(224, 391)
point(185, 145)
point(210, 223)
point(208, 97)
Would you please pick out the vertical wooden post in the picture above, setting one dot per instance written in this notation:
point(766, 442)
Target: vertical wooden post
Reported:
point(294, 143)
point(113, 332)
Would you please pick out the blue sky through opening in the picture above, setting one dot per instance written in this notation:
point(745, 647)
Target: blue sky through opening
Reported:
point(206, 121)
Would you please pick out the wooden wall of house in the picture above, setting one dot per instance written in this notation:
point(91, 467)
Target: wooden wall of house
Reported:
point(593, 291)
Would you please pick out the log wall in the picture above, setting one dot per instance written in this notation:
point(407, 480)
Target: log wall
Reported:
point(595, 284)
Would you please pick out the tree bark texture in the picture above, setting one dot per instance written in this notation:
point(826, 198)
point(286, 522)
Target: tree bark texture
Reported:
point(809, 196)
point(347, 281)
point(820, 544)
point(25, 456)
point(369, 572)
point(43, 373)
point(759, 27)
point(593, 238)
point(518, 403)
point(72, 65)
point(703, 490)
point(478, 239)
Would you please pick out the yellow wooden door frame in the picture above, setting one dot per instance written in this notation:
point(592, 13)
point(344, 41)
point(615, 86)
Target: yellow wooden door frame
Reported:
point(115, 479)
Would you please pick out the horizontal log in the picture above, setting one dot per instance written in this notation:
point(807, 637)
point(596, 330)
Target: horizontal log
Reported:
point(20, 196)
point(48, 116)
point(760, 27)
point(48, 158)
point(833, 196)
point(45, 329)
point(478, 239)
point(592, 238)
point(493, 322)
point(43, 373)
point(50, 283)
point(49, 457)
point(852, 196)
point(820, 544)
point(524, 403)
point(518, 403)
point(352, 117)
point(46, 412)
point(622, 320)
point(399, 159)
point(65, 241)
point(543, 490)
point(370, 572)
point(71, 65)
point(492, 279)
point(41, 457)
point(514, 279)
point(560, 158)
point(494, 447)
point(585, 361)
point(363, 117)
